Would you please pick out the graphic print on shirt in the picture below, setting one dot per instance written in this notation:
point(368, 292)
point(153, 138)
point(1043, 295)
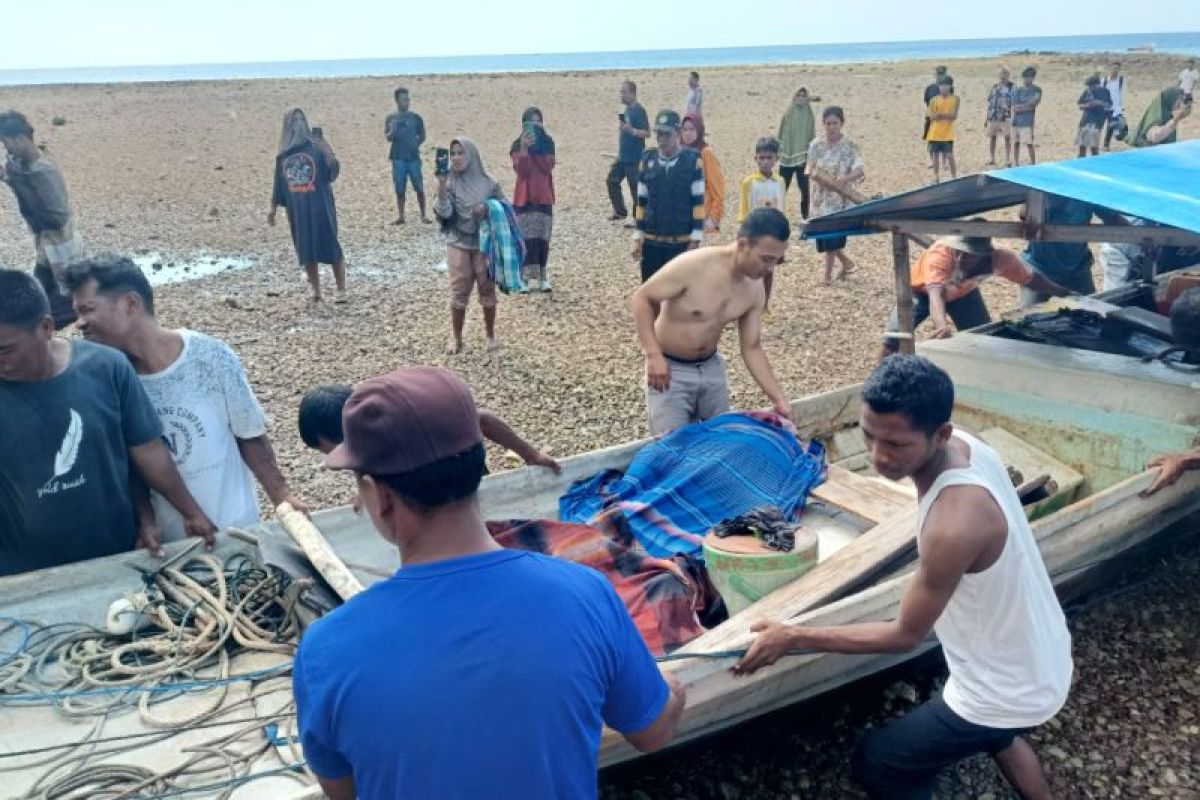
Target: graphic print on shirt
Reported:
point(300, 172)
point(182, 428)
point(65, 458)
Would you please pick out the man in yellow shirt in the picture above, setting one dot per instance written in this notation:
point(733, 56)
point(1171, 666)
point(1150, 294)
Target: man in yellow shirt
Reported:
point(943, 111)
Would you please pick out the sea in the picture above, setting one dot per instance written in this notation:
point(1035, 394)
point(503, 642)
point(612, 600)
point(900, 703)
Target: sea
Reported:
point(697, 58)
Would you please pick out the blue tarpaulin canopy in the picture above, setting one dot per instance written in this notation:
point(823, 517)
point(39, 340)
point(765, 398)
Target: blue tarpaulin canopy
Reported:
point(1160, 184)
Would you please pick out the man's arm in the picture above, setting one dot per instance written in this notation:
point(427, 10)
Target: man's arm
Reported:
point(1040, 283)
point(1170, 469)
point(937, 311)
point(497, 430)
point(149, 535)
point(153, 462)
point(420, 130)
point(338, 788)
point(958, 533)
point(666, 284)
point(662, 730)
point(259, 457)
point(755, 358)
point(388, 127)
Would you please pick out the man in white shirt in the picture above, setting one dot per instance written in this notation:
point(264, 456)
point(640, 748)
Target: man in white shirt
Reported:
point(1114, 81)
point(1188, 78)
point(212, 423)
point(980, 584)
point(693, 102)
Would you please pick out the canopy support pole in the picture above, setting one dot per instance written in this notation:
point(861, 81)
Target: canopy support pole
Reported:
point(904, 295)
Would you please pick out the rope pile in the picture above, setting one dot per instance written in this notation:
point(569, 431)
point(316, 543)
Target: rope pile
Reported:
point(194, 617)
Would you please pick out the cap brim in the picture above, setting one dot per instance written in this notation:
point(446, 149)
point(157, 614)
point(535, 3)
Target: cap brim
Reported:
point(339, 458)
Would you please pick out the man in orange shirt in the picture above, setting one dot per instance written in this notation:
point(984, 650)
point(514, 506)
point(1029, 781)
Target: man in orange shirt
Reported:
point(946, 280)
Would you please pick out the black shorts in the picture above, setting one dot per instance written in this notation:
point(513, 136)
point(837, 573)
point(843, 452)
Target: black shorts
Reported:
point(901, 760)
point(655, 255)
point(941, 147)
point(831, 244)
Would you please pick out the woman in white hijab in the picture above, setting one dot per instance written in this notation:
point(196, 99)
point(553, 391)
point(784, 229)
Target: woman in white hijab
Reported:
point(461, 203)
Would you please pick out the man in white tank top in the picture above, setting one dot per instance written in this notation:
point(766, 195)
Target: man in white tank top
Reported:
point(980, 585)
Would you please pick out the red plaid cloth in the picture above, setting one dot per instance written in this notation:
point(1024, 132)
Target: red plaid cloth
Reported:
point(664, 596)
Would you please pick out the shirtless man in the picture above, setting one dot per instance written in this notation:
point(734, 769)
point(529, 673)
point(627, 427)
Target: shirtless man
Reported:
point(680, 313)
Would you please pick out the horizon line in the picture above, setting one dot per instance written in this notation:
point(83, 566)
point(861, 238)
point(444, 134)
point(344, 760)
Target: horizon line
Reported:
point(588, 52)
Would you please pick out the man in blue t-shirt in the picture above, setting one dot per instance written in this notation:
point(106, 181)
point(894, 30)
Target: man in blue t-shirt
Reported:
point(474, 671)
point(633, 125)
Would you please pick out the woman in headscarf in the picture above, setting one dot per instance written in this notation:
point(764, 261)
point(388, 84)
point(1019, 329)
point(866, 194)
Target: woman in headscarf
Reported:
point(1160, 123)
point(797, 129)
point(533, 196)
point(461, 203)
point(691, 133)
point(835, 164)
point(305, 170)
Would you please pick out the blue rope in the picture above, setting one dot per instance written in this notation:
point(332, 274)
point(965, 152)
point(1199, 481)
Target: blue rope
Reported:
point(22, 626)
point(180, 687)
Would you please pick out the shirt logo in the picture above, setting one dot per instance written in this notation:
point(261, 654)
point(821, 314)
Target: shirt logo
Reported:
point(300, 172)
point(65, 458)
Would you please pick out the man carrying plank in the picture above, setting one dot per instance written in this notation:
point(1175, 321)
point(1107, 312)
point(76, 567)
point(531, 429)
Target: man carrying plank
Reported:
point(980, 585)
point(474, 671)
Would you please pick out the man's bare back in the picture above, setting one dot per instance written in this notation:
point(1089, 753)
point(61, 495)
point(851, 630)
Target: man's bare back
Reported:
point(710, 296)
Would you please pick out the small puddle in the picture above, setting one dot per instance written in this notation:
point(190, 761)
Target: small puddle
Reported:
point(161, 269)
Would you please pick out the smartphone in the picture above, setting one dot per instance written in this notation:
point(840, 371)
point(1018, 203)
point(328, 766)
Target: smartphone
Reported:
point(530, 129)
point(441, 161)
point(621, 116)
point(318, 132)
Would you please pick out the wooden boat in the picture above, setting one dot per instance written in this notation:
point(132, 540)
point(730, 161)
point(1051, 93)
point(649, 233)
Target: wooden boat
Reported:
point(1095, 418)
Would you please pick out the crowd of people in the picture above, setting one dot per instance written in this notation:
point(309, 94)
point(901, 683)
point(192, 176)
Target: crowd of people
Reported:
point(138, 433)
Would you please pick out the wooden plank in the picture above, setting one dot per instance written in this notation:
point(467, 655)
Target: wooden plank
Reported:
point(318, 551)
point(904, 293)
point(861, 496)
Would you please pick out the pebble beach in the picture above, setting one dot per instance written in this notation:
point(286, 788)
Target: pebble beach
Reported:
point(179, 174)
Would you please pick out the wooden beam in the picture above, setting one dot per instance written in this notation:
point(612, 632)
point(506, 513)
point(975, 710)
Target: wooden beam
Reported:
point(1131, 234)
point(904, 295)
point(864, 497)
point(856, 197)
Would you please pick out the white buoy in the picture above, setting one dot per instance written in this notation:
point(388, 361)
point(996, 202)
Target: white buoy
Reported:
point(125, 615)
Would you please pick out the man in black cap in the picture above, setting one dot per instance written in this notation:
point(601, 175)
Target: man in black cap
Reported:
point(670, 198)
point(514, 658)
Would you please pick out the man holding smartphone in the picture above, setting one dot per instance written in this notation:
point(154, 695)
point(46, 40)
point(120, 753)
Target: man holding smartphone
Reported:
point(634, 131)
point(406, 131)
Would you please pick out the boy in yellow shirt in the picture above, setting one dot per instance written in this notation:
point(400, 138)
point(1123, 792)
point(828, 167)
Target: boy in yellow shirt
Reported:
point(943, 111)
point(762, 189)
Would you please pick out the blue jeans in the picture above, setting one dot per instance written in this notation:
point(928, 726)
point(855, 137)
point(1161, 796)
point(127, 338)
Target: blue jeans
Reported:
point(404, 171)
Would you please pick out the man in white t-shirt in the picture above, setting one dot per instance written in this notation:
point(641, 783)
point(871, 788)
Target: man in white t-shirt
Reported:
point(980, 585)
point(212, 423)
point(693, 102)
point(1188, 78)
point(1114, 81)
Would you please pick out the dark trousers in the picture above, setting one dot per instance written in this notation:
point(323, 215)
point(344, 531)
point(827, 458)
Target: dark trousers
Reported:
point(901, 760)
point(622, 172)
point(1108, 129)
point(801, 183)
point(656, 254)
point(968, 311)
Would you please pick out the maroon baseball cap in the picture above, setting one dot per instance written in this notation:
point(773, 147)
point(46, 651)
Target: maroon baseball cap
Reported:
point(405, 420)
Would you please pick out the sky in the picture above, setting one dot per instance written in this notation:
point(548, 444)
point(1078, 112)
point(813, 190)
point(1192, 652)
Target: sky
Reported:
point(87, 33)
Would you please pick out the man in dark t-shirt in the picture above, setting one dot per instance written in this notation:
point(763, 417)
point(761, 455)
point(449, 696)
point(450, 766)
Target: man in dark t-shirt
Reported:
point(634, 126)
point(406, 131)
point(1095, 104)
point(76, 424)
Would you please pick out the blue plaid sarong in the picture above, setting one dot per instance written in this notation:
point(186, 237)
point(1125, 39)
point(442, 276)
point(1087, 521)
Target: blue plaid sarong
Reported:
point(679, 487)
point(502, 243)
